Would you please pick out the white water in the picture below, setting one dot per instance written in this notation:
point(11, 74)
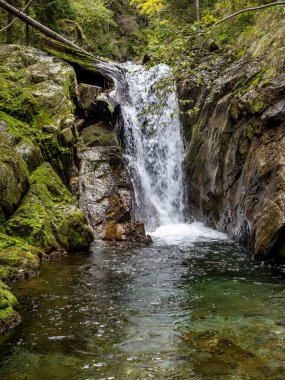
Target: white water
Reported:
point(154, 145)
point(155, 152)
point(185, 234)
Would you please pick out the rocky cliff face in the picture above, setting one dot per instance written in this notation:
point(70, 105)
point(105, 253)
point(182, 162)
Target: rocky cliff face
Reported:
point(235, 153)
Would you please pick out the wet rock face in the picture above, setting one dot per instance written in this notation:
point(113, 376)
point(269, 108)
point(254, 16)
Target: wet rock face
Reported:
point(235, 158)
point(105, 189)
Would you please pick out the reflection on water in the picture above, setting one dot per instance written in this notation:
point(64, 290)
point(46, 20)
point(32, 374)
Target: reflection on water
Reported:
point(194, 311)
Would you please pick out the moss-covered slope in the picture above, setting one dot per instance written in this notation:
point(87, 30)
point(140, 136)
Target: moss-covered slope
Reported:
point(38, 214)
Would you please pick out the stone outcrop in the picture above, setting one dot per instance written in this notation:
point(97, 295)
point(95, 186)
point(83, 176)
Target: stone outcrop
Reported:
point(235, 157)
point(105, 189)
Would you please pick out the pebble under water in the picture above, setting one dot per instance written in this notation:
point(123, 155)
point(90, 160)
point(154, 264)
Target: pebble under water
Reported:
point(197, 309)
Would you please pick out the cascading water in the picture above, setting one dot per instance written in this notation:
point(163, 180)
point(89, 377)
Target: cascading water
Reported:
point(154, 151)
point(154, 145)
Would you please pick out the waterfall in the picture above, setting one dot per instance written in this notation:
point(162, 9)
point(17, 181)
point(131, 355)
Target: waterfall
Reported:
point(154, 151)
point(153, 143)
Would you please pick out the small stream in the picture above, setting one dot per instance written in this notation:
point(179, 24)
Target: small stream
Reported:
point(193, 305)
point(197, 310)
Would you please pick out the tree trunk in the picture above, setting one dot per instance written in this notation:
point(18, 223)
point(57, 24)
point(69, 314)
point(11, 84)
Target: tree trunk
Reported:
point(35, 24)
point(27, 25)
point(9, 38)
point(198, 15)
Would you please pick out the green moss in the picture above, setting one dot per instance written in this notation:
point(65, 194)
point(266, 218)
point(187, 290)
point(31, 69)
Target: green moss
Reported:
point(8, 316)
point(35, 98)
point(2, 217)
point(48, 216)
point(5, 272)
point(6, 298)
point(17, 128)
point(23, 138)
point(14, 177)
point(17, 257)
point(260, 78)
point(15, 96)
point(50, 145)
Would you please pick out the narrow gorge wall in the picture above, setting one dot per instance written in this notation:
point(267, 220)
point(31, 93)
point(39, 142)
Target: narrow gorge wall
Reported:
point(235, 160)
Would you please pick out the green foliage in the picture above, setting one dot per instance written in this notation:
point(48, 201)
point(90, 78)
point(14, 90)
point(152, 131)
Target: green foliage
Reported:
point(175, 38)
point(109, 28)
point(50, 12)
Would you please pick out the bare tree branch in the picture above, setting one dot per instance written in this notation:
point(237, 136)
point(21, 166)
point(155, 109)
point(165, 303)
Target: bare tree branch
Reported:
point(247, 10)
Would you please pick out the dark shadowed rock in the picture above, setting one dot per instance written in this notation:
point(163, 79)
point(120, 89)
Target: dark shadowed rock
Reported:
point(87, 95)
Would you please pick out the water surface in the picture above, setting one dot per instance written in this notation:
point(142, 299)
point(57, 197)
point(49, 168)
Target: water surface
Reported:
point(197, 309)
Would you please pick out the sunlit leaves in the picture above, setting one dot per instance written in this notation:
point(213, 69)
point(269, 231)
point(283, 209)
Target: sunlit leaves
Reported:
point(148, 7)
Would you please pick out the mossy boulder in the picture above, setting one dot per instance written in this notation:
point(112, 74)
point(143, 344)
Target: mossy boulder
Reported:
point(23, 139)
point(37, 90)
point(38, 215)
point(18, 259)
point(48, 216)
point(33, 82)
point(14, 178)
point(9, 318)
